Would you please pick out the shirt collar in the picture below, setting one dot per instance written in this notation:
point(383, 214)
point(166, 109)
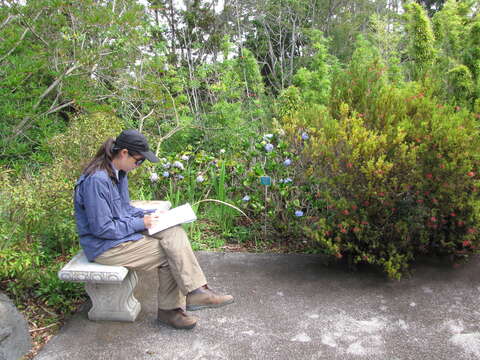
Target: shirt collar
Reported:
point(116, 171)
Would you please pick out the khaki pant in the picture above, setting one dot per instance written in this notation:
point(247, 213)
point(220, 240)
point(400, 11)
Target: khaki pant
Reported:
point(169, 251)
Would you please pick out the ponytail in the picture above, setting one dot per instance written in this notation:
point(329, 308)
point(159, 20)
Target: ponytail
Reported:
point(103, 160)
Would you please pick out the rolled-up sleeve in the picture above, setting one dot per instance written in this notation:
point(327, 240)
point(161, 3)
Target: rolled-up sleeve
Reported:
point(103, 224)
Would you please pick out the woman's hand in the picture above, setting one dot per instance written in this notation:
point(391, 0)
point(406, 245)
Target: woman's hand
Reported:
point(150, 220)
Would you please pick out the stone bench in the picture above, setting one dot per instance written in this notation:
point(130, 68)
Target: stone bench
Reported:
point(110, 287)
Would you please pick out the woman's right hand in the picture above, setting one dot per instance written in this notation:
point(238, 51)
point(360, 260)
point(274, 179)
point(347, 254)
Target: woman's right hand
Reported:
point(149, 221)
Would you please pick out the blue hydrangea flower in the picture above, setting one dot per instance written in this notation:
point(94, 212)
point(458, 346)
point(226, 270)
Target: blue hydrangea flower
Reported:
point(268, 136)
point(269, 147)
point(281, 181)
point(200, 178)
point(305, 136)
point(179, 165)
point(298, 213)
point(165, 174)
point(180, 177)
point(246, 198)
point(287, 162)
point(287, 180)
point(153, 177)
point(166, 165)
point(185, 157)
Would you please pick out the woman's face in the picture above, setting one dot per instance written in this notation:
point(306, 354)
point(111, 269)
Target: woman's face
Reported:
point(126, 161)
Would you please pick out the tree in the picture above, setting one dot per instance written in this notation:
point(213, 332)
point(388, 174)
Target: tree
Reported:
point(58, 58)
point(420, 40)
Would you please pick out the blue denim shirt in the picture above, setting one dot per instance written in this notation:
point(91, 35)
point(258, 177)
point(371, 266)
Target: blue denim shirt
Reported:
point(103, 213)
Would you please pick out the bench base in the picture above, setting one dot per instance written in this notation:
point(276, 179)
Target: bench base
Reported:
point(114, 302)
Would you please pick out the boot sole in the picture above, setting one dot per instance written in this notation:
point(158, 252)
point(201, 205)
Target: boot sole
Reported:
point(209, 306)
point(189, 327)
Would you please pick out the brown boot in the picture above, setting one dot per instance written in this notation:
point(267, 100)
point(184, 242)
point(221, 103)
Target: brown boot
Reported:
point(204, 298)
point(177, 318)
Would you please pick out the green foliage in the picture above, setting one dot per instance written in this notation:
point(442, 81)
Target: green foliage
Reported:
point(421, 39)
point(460, 83)
point(449, 28)
point(31, 272)
point(316, 81)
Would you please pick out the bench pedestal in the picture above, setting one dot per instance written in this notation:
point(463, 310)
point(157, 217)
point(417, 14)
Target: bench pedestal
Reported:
point(110, 288)
point(114, 302)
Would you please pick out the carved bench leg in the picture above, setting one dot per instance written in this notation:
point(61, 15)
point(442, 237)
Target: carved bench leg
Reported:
point(114, 302)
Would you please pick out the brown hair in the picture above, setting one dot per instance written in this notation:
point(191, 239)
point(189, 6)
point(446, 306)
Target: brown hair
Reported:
point(103, 160)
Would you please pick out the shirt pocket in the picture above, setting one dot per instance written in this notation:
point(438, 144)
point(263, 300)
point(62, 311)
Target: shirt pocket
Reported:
point(116, 206)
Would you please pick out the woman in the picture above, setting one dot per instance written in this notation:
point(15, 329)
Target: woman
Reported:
point(112, 232)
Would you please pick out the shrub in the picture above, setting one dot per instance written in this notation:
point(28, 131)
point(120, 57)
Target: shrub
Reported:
point(395, 181)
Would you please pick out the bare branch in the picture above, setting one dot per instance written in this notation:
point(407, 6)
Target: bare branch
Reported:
point(19, 41)
point(60, 107)
point(143, 119)
point(34, 33)
point(15, 47)
point(54, 84)
point(7, 20)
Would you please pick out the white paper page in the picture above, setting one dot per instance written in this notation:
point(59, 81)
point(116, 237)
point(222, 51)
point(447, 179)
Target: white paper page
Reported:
point(180, 215)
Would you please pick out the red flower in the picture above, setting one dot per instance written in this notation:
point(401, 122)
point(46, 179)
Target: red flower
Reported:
point(345, 212)
point(343, 230)
point(349, 165)
point(429, 176)
point(338, 255)
point(354, 207)
point(433, 219)
point(471, 174)
point(466, 243)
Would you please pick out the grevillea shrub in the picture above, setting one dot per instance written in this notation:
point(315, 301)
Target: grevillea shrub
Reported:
point(398, 180)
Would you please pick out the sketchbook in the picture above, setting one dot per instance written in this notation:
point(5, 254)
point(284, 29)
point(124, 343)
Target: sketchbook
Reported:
point(180, 215)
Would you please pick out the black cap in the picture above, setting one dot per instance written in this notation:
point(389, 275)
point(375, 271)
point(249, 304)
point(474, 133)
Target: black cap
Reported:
point(134, 141)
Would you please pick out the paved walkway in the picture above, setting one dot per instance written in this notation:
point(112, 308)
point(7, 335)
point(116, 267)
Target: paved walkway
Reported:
point(294, 307)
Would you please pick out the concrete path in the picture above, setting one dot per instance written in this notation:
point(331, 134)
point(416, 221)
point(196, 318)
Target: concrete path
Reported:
point(294, 307)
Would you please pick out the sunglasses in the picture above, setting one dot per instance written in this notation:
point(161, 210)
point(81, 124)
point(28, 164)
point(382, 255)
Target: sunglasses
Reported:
point(138, 162)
